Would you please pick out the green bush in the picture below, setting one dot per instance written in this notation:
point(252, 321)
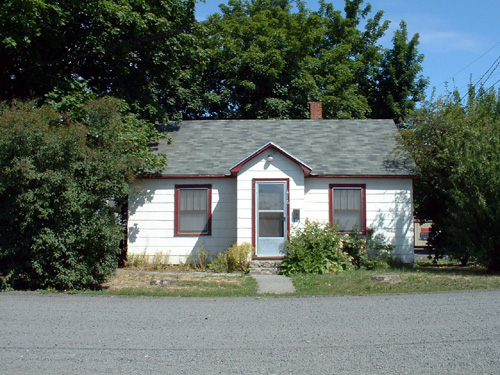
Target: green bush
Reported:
point(366, 251)
point(236, 258)
point(319, 248)
point(58, 175)
point(316, 248)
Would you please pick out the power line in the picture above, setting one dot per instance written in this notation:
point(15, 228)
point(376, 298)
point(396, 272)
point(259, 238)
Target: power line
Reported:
point(461, 70)
point(494, 66)
point(497, 62)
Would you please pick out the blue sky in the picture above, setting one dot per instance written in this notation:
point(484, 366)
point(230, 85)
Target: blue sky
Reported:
point(459, 38)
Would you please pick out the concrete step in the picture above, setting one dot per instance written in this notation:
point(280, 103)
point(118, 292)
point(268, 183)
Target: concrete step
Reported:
point(265, 267)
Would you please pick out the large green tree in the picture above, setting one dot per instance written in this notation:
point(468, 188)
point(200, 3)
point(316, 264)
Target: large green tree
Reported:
point(456, 146)
point(60, 171)
point(399, 82)
point(141, 51)
point(265, 59)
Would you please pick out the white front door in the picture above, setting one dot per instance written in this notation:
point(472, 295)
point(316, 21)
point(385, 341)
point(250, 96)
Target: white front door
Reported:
point(271, 218)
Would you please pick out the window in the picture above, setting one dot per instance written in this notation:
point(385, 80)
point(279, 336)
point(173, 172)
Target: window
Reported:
point(193, 210)
point(347, 207)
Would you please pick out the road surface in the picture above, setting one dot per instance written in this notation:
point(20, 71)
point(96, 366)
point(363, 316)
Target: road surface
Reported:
point(435, 333)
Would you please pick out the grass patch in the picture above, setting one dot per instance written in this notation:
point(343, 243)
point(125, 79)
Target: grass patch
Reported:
point(424, 278)
point(180, 284)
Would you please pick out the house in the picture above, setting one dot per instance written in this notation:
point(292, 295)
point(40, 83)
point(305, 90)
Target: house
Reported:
point(256, 181)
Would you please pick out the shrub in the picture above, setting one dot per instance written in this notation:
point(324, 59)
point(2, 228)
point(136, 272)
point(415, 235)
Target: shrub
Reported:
point(236, 258)
point(316, 248)
point(366, 251)
point(58, 175)
point(319, 248)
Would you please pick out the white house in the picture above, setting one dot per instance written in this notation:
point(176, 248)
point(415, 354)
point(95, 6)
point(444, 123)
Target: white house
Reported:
point(254, 181)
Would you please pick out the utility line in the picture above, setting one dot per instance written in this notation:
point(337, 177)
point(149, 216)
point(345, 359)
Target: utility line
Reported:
point(494, 66)
point(461, 70)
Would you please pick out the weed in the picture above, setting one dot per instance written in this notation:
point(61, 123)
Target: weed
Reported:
point(236, 258)
point(142, 261)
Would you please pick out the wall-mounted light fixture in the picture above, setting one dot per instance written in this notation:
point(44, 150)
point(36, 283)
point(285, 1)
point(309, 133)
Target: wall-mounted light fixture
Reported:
point(270, 158)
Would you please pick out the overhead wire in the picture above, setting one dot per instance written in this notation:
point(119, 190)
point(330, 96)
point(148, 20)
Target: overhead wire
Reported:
point(494, 66)
point(461, 70)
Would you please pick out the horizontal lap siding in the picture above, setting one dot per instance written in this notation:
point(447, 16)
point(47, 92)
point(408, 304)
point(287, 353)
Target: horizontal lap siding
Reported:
point(151, 219)
point(389, 208)
point(281, 168)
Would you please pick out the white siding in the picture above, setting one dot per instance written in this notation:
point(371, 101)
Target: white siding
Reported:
point(389, 208)
point(258, 168)
point(151, 219)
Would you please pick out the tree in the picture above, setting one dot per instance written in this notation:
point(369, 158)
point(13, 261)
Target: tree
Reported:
point(455, 145)
point(59, 175)
point(141, 51)
point(265, 61)
point(400, 85)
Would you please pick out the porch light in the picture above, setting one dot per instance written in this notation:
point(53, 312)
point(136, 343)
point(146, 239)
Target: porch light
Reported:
point(270, 158)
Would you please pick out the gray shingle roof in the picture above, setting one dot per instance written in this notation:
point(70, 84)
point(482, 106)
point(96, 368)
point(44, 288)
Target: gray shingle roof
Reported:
point(329, 147)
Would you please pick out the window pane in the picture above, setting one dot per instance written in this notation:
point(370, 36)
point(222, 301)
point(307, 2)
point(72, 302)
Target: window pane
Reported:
point(347, 220)
point(271, 224)
point(347, 199)
point(193, 211)
point(193, 222)
point(271, 196)
point(347, 204)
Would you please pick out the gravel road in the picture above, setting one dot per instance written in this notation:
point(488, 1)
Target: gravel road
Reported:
point(436, 333)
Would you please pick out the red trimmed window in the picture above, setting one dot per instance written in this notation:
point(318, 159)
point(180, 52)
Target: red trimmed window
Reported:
point(193, 215)
point(348, 207)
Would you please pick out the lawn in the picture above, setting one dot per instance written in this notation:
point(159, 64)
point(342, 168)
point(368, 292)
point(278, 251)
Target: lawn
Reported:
point(180, 284)
point(423, 278)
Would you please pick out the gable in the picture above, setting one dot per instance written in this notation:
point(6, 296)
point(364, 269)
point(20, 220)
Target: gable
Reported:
point(267, 147)
point(325, 147)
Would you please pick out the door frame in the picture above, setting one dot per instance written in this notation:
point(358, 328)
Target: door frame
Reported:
point(255, 216)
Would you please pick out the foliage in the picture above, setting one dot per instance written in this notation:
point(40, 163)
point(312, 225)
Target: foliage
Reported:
point(264, 61)
point(455, 145)
point(58, 227)
point(400, 86)
point(141, 51)
point(366, 251)
point(236, 258)
point(255, 59)
point(316, 248)
point(319, 248)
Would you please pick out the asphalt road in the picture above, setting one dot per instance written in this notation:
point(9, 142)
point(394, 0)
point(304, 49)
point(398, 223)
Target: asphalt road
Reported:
point(437, 333)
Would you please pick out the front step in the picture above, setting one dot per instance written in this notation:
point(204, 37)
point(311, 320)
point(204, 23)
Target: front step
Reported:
point(265, 267)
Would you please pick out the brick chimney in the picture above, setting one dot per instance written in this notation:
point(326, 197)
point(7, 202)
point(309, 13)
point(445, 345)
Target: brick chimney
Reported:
point(316, 110)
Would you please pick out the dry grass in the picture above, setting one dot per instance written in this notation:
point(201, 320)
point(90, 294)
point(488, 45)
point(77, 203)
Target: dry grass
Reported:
point(179, 284)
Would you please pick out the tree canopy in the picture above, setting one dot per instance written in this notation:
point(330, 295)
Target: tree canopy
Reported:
point(255, 59)
point(455, 145)
point(136, 50)
point(264, 60)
